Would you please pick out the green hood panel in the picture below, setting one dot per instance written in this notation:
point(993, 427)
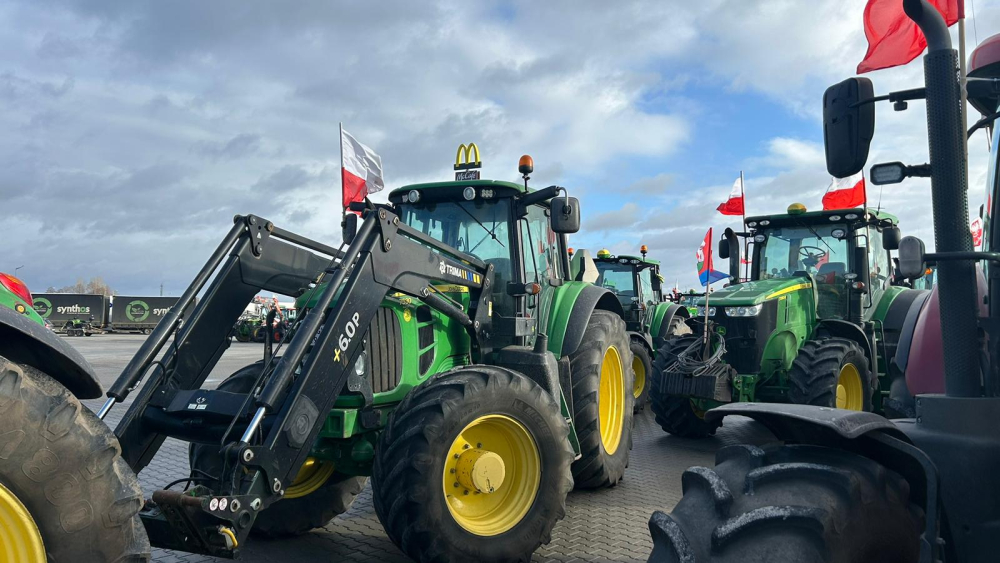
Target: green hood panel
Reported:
point(754, 292)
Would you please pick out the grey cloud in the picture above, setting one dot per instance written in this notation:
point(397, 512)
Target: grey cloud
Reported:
point(240, 146)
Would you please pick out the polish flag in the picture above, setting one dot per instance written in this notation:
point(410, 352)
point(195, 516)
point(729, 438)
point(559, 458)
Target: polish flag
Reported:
point(893, 38)
point(733, 205)
point(361, 169)
point(845, 193)
point(977, 232)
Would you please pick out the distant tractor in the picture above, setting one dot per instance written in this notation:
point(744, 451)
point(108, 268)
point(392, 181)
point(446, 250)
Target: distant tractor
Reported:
point(650, 320)
point(817, 323)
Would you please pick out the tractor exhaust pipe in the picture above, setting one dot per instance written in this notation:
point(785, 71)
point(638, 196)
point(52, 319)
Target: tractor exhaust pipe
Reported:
point(949, 194)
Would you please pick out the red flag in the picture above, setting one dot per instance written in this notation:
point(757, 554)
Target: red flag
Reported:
point(733, 205)
point(845, 193)
point(893, 38)
point(361, 169)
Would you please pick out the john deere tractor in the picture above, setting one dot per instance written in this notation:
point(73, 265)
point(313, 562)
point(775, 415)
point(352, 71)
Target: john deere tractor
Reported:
point(813, 325)
point(443, 351)
point(651, 322)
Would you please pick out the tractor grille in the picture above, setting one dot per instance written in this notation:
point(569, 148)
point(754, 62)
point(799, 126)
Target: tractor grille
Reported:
point(425, 335)
point(384, 347)
point(746, 337)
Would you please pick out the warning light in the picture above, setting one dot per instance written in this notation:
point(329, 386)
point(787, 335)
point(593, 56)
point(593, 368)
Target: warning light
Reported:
point(643, 249)
point(604, 253)
point(570, 250)
point(796, 209)
point(525, 165)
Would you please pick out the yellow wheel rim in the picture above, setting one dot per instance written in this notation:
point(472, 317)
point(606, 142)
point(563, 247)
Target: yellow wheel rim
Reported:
point(491, 475)
point(312, 475)
point(640, 376)
point(20, 539)
point(850, 392)
point(611, 400)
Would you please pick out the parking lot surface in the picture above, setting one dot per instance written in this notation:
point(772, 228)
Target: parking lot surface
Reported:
point(604, 525)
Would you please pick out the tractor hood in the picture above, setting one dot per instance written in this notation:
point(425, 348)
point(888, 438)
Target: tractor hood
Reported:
point(754, 292)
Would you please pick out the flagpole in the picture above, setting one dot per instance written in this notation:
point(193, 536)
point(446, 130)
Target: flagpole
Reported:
point(343, 210)
point(746, 241)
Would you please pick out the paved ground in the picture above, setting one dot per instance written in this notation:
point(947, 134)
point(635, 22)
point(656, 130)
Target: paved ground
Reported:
point(606, 525)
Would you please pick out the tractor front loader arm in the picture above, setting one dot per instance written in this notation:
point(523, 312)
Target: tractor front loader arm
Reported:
point(266, 436)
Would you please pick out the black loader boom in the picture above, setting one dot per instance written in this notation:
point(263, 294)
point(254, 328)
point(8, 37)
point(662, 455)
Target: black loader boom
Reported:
point(265, 436)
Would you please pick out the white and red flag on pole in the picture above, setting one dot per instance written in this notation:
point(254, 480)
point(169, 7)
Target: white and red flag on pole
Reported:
point(845, 193)
point(977, 232)
point(893, 38)
point(361, 169)
point(733, 205)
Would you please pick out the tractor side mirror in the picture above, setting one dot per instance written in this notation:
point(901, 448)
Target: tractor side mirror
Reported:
point(890, 238)
point(911, 258)
point(724, 249)
point(655, 279)
point(565, 214)
point(848, 126)
point(350, 228)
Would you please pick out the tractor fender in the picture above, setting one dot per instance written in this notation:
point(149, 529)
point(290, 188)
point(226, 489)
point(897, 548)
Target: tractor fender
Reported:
point(642, 338)
point(26, 342)
point(663, 315)
point(845, 329)
point(572, 306)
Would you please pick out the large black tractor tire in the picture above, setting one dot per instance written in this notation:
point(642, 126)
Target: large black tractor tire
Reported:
point(642, 371)
point(318, 494)
point(425, 499)
point(789, 504)
point(602, 401)
point(241, 334)
point(62, 465)
point(677, 415)
point(832, 372)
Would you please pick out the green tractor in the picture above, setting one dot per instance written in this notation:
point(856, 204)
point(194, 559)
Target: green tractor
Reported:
point(444, 352)
point(651, 321)
point(813, 325)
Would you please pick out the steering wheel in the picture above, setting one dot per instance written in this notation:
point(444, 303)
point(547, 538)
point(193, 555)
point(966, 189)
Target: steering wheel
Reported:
point(809, 258)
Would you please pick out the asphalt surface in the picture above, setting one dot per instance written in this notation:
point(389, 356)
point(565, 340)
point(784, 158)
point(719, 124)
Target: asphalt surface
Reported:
point(605, 525)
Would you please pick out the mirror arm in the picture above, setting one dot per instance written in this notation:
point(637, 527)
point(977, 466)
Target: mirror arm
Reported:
point(982, 123)
point(934, 257)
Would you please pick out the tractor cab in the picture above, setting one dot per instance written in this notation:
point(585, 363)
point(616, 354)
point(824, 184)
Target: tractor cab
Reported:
point(634, 280)
point(838, 258)
point(505, 224)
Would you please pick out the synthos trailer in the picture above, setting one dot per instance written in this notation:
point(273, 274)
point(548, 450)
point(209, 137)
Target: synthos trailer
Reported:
point(57, 308)
point(139, 313)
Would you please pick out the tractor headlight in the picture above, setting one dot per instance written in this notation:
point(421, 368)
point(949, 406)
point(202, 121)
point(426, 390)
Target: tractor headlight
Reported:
point(359, 365)
point(744, 310)
point(701, 311)
point(413, 196)
point(469, 193)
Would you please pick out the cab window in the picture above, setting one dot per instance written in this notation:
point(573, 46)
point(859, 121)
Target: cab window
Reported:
point(539, 246)
point(646, 286)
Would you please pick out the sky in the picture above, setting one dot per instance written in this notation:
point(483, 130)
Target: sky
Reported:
point(135, 130)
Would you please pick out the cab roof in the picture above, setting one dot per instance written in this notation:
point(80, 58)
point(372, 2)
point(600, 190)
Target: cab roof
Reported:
point(822, 216)
point(451, 184)
point(632, 259)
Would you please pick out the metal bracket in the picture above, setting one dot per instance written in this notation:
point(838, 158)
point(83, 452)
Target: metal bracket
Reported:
point(259, 231)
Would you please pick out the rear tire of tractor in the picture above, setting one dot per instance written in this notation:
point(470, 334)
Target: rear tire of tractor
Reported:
point(815, 377)
point(427, 517)
point(789, 504)
point(602, 414)
point(288, 516)
point(642, 368)
point(64, 466)
point(676, 414)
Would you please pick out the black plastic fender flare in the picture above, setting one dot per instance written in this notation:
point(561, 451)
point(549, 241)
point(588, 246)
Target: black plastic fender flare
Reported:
point(27, 342)
point(589, 299)
point(673, 310)
point(642, 338)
